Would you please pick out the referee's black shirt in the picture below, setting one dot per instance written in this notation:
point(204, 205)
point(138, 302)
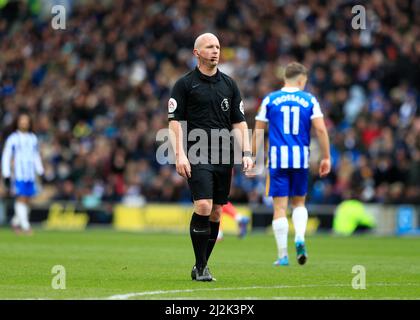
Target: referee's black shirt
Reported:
point(206, 103)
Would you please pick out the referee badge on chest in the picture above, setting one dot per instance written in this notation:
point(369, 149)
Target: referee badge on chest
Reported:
point(225, 104)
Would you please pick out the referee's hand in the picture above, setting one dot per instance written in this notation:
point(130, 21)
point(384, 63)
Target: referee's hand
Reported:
point(183, 166)
point(248, 163)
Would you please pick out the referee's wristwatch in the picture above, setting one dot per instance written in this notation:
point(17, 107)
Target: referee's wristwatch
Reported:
point(247, 154)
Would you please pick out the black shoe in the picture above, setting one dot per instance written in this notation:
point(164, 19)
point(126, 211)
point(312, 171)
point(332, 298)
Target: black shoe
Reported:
point(193, 272)
point(201, 275)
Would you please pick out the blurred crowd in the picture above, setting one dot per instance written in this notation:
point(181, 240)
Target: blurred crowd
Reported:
point(98, 90)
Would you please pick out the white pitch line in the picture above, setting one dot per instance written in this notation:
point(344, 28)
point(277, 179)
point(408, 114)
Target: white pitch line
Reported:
point(160, 292)
point(163, 292)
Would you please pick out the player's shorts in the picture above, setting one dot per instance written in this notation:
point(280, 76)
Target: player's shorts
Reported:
point(287, 182)
point(25, 188)
point(210, 182)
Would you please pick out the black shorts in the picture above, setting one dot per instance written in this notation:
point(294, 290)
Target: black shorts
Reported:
point(210, 182)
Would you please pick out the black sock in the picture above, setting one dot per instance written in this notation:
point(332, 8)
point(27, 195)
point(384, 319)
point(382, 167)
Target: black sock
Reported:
point(200, 232)
point(214, 232)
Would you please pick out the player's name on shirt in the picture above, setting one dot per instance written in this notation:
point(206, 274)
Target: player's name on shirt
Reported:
point(291, 97)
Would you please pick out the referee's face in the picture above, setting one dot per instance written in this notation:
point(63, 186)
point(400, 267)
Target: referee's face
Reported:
point(208, 52)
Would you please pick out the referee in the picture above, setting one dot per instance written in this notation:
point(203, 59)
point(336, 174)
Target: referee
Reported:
point(205, 100)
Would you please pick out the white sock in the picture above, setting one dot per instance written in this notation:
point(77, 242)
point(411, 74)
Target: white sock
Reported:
point(15, 220)
point(300, 219)
point(280, 228)
point(16, 216)
point(22, 211)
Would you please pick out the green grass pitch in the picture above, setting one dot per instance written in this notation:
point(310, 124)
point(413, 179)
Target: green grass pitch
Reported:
point(103, 264)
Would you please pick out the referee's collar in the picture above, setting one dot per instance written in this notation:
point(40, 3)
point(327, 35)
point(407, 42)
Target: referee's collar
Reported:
point(290, 89)
point(214, 78)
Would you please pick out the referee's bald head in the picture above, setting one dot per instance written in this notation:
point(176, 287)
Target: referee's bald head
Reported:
point(203, 38)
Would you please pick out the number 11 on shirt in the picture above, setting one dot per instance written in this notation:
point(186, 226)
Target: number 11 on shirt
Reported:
point(287, 110)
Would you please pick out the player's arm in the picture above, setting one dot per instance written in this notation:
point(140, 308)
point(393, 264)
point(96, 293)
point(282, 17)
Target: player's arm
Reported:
point(237, 118)
point(258, 136)
point(247, 161)
point(38, 161)
point(322, 135)
point(183, 166)
point(261, 125)
point(176, 113)
point(6, 161)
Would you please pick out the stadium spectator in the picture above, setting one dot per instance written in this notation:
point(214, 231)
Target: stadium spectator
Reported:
point(98, 90)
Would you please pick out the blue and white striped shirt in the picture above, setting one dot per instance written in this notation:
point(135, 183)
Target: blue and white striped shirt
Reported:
point(289, 112)
point(21, 150)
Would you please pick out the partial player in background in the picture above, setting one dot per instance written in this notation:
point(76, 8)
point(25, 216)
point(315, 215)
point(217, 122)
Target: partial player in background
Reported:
point(290, 113)
point(21, 162)
point(229, 210)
